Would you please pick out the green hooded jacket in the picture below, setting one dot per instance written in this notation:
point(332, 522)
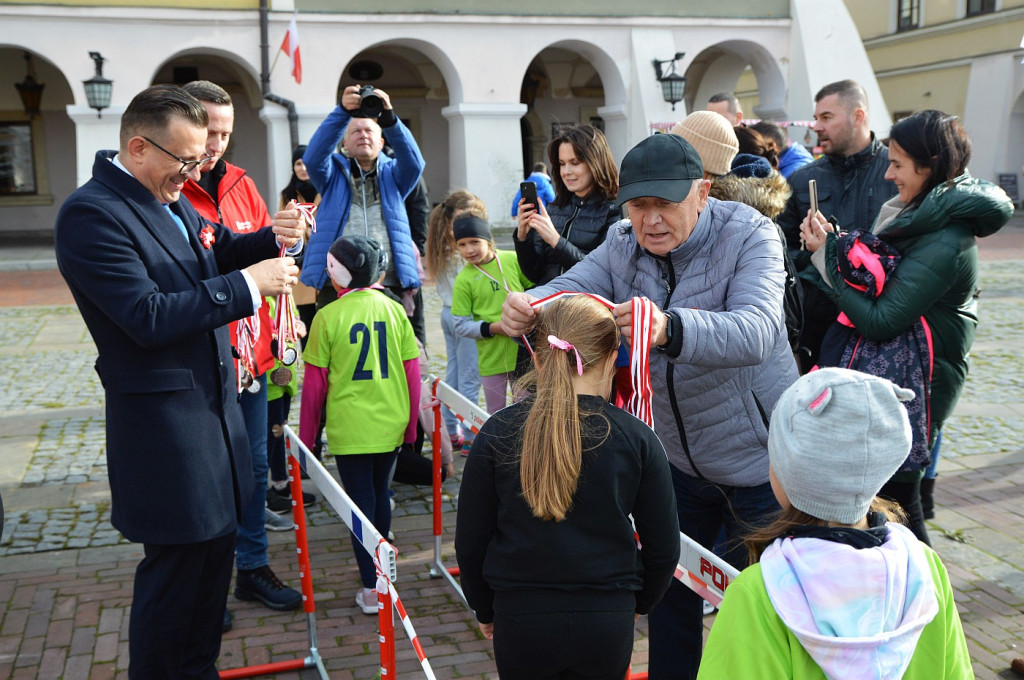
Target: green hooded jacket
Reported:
point(937, 278)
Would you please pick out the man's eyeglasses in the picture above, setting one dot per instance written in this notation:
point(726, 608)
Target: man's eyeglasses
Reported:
point(186, 166)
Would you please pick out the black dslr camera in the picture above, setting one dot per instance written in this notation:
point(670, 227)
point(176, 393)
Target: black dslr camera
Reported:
point(370, 103)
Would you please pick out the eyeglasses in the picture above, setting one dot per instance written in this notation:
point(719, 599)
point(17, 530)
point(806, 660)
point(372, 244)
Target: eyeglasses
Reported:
point(186, 166)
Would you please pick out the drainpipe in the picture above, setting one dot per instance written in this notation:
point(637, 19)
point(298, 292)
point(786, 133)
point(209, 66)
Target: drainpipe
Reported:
point(293, 115)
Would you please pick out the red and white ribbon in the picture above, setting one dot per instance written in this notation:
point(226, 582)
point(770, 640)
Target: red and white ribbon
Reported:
point(639, 361)
point(308, 210)
point(639, 353)
point(247, 330)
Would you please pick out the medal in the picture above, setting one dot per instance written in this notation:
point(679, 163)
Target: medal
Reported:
point(289, 356)
point(253, 387)
point(244, 379)
point(281, 376)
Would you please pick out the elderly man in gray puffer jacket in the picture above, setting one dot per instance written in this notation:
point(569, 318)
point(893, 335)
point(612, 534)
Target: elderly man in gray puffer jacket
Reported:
point(719, 360)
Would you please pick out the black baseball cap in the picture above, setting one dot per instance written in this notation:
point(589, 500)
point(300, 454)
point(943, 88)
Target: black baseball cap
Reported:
point(662, 166)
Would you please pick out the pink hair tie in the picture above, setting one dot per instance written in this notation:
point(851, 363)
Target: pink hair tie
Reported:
point(565, 347)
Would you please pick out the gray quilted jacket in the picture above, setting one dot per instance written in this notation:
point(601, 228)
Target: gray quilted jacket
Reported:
point(725, 285)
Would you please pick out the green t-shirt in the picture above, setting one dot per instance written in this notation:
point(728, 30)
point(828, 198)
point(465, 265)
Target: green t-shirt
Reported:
point(362, 340)
point(480, 295)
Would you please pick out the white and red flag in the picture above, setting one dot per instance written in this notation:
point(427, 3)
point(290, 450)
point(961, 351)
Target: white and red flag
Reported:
point(290, 47)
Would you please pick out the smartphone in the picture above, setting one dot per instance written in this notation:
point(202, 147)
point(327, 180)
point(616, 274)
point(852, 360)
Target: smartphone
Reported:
point(529, 192)
point(812, 186)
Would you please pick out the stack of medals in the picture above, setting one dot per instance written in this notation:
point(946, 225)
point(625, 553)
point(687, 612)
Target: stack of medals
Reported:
point(248, 330)
point(284, 317)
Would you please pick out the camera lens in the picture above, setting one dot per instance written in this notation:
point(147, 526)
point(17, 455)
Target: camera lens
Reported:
point(370, 104)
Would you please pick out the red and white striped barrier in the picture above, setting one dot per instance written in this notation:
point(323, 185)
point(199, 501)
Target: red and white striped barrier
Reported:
point(382, 552)
point(699, 569)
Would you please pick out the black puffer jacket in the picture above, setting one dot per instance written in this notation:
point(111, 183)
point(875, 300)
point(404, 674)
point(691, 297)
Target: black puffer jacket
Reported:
point(851, 190)
point(582, 223)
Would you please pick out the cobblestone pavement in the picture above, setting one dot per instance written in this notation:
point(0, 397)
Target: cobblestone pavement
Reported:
point(65, 573)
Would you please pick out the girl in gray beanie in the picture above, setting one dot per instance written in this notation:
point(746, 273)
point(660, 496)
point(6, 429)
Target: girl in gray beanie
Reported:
point(836, 590)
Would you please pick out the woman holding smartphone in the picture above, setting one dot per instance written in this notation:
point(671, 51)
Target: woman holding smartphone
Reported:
point(550, 239)
point(932, 223)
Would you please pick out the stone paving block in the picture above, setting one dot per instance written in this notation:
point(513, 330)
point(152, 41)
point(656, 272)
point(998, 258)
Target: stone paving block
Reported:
point(52, 663)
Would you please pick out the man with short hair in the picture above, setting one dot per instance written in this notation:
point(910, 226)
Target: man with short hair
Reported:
point(719, 354)
point(225, 194)
point(157, 285)
point(726, 105)
point(365, 190)
point(851, 190)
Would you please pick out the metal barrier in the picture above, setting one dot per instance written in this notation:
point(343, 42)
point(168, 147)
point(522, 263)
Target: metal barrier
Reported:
point(382, 552)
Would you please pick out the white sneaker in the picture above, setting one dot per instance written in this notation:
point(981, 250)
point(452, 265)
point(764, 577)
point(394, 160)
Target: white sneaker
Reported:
point(366, 605)
point(709, 608)
point(274, 522)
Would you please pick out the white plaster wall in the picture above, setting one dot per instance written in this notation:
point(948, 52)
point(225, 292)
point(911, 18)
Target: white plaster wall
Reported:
point(988, 115)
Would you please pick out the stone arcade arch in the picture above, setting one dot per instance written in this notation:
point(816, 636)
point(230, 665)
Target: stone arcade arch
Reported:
point(719, 67)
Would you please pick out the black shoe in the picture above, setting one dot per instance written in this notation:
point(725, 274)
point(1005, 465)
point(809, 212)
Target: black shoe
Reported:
point(228, 620)
point(263, 585)
point(281, 500)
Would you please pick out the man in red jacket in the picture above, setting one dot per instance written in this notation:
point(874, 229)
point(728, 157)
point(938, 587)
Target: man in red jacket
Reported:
point(225, 194)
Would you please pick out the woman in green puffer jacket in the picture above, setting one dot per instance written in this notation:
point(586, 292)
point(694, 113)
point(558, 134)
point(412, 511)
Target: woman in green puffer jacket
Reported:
point(933, 222)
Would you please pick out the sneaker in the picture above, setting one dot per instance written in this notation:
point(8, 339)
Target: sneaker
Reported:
point(709, 608)
point(280, 500)
point(229, 620)
point(466, 446)
point(275, 522)
point(263, 585)
point(367, 605)
point(457, 441)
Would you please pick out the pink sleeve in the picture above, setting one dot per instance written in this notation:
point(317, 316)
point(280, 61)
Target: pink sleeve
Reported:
point(412, 376)
point(314, 391)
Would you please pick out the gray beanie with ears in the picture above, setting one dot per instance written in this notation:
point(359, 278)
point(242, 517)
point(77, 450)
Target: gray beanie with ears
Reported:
point(836, 437)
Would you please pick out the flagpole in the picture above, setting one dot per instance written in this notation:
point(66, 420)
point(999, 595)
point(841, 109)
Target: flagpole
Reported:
point(277, 55)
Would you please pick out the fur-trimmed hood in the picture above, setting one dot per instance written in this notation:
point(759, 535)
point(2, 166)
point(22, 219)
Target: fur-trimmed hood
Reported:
point(767, 195)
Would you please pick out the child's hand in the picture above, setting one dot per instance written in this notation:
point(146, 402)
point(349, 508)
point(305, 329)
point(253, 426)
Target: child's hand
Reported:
point(300, 329)
point(497, 328)
point(449, 469)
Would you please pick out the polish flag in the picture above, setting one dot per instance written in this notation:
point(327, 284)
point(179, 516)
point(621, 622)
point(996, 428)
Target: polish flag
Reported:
point(290, 47)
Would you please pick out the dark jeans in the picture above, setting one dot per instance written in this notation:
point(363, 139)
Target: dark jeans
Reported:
point(178, 609)
point(277, 414)
point(251, 547)
point(365, 477)
point(908, 495)
point(592, 640)
point(676, 623)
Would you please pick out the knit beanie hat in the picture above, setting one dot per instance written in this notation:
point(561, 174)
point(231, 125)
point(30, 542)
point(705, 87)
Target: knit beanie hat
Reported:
point(748, 165)
point(354, 261)
point(712, 136)
point(469, 226)
point(836, 437)
point(299, 151)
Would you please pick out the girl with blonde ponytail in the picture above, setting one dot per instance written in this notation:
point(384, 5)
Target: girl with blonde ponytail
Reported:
point(543, 538)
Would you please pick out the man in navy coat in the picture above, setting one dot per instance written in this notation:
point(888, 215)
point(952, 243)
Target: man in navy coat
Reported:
point(157, 285)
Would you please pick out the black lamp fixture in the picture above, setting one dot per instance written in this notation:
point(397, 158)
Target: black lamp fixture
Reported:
point(673, 85)
point(30, 90)
point(98, 88)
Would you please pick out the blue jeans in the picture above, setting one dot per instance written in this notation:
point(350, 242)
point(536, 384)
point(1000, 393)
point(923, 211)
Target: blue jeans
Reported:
point(932, 471)
point(676, 623)
point(365, 477)
point(462, 371)
point(251, 546)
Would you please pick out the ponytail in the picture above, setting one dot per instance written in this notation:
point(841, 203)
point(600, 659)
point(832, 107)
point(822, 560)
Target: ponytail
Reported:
point(582, 335)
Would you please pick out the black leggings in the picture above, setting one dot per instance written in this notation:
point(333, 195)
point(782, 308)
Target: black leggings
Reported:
point(566, 644)
point(908, 495)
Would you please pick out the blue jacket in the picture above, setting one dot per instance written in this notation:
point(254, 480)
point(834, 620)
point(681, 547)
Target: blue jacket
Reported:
point(330, 172)
point(793, 158)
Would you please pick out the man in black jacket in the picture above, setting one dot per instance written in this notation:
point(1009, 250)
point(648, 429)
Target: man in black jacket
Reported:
point(851, 190)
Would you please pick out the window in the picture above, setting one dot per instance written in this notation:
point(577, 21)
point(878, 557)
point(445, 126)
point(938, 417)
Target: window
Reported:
point(17, 162)
point(908, 14)
point(980, 7)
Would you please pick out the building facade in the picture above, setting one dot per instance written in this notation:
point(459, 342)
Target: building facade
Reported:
point(482, 89)
point(958, 56)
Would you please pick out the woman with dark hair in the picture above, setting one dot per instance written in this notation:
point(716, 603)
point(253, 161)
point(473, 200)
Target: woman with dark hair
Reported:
point(299, 188)
point(754, 143)
point(932, 224)
point(550, 239)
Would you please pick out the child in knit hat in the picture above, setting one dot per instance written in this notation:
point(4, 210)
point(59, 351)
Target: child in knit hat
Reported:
point(479, 291)
point(363, 359)
point(838, 591)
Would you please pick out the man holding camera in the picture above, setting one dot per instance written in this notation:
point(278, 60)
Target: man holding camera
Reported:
point(365, 190)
